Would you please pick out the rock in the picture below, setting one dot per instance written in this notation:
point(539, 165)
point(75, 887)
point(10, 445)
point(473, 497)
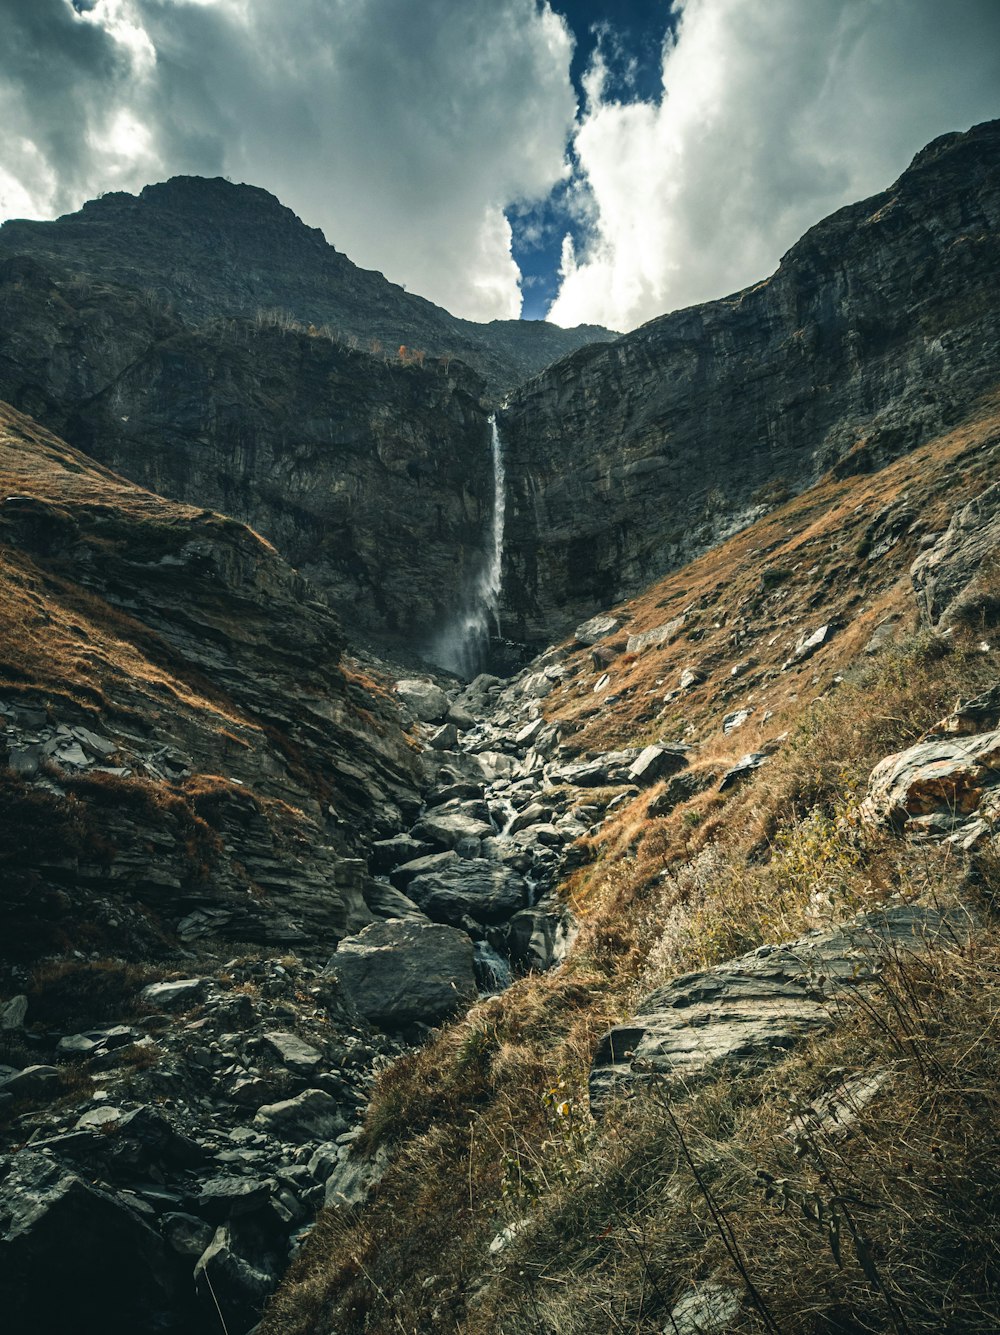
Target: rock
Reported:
point(402, 876)
point(32, 1082)
point(807, 645)
point(389, 853)
point(946, 778)
point(531, 938)
point(735, 720)
point(945, 577)
point(385, 901)
point(743, 769)
point(749, 1012)
point(294, 1052)
point(223, 1198)
point(13, 1013)
point(597, 628)
point(709, 1310)
point(447, 829)
point(460, 717)
point(882, 636)
point(185, 1233)
point(76, 1045)
point(653, 639)
point(486, 891)
point(225, 1278)
point(401, 973)
point(423, 699)
point(655, 763)
point(180, 992)
point(527, 735)
point(311, 1115)
point(690, 678)
point(354, 1178)
point(46, 1212)
point(445, 738)
point(98, 1117)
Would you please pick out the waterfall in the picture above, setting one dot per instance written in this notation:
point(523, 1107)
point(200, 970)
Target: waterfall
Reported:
point(463, 645)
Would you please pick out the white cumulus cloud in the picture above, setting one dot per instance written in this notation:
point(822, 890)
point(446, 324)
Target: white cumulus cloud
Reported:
point(402, 129)
point(772, 115)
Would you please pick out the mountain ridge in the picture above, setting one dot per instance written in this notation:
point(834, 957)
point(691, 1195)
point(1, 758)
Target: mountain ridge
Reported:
point(212, 248)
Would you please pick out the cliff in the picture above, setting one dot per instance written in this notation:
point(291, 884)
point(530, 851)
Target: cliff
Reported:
point(877, 328)
point(373, 477)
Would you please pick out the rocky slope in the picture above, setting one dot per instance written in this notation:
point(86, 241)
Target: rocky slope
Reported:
point(208, 249)
point(237, 874)
point(786, 903)
point(877, 329)
point(374, 478)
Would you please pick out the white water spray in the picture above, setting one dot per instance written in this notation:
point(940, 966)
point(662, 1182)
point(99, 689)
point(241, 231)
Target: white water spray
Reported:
point(463, 645)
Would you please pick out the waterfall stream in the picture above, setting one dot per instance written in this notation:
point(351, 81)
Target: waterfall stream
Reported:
point(463, 645)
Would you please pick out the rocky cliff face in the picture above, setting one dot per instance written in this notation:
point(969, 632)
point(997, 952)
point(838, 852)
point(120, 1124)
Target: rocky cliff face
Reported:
point(209, 248)
point(186, 755)
point(878, 327)
point(373, 478)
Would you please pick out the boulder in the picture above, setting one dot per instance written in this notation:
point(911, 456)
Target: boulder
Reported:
point(354, 1177)
point(226, 1197)
point(808, 644)
point(444, 738)
point(487, 892)
point(655, 763)
point(447, 829)
point(178, 992)
point(749, 1012)
point(423, 699)
point(403, 972)
point(32, 1082)
point(50, 1217)
point(13, 1013)
point(385, 901)
point(389, 853)
point(223, 1277)
point(402, 876)
point(294, 1052)
point(653, 639)
point(945, 576)
point(940, 783)
point(311, 1115)
point(743, 769)
point(589, 632)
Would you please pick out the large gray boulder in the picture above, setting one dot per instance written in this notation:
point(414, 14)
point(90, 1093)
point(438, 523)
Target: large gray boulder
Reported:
point(476, 888)
point(749, 1012)
point(945, 575)
point(399, 973)
point(448, 829)
point(423, 699)
point(944, 785)
point(311, 1115)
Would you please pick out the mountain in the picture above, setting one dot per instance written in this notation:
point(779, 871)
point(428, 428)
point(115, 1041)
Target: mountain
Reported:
point(650, 987)
point(209, 248)
point(877, 329)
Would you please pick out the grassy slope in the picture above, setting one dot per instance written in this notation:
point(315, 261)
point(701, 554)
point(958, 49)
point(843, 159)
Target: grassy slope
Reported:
point(489, 1123)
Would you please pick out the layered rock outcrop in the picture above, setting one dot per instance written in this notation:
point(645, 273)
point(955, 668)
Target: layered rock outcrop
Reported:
point(878, 328)
point(373, 478)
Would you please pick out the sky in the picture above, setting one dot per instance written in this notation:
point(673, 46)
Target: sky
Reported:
point(584, 161)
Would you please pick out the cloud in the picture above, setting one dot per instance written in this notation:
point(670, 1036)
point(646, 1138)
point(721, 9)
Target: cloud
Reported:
point(402, 129)
point(772, 116)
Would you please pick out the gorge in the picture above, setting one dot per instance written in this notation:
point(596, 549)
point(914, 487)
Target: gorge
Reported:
point(500, 835)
